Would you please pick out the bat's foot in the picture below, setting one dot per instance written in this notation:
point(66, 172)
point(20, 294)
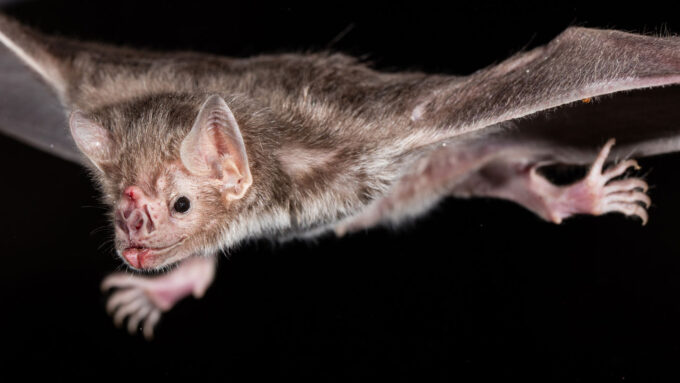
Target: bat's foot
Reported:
point(142, 299)
point(134, 300)
point(599, 193)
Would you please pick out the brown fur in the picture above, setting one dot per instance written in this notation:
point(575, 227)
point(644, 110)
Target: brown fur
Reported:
point(375, 130)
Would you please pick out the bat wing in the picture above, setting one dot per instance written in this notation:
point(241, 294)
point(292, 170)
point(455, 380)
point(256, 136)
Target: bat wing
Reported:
point(30, 83)
point(30, 111)
point(585, 86)
point(580, 64)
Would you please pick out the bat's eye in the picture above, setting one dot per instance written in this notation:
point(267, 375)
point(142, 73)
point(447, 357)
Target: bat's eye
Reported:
point(182, 205)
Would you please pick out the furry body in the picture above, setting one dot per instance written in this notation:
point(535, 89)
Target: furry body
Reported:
point(331, 143)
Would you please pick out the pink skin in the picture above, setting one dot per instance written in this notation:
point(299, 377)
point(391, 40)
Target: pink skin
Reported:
point(150, 232)
point(597, 194)
point(142, 299)
point(143, 230)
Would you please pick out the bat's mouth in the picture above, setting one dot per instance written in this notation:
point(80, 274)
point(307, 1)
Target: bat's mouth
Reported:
point(141, 257)
point(136, 256)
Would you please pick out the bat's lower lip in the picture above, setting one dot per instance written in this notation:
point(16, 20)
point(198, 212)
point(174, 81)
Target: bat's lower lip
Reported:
point(140, 257)
point(137, 257)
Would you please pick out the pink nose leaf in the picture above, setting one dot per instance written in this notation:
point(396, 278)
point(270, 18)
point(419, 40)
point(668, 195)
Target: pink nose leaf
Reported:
point(136, 221)
point(135, 210)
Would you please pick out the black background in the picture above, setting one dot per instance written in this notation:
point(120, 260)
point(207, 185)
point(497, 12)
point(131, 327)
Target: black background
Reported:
point(478, 289)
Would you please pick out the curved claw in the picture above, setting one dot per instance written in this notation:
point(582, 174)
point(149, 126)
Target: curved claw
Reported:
point(121, 297)
point(629, 196)
point(629, 209)
point(142, 299)
point(134, 305)
point(150, 323)
point(600, 192)
point(625, 185)
point(127, 309)
point(136, 318)
point(132, 301)
point(621, 168)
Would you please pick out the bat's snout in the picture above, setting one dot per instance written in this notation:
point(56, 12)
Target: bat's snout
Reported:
point(138, 222)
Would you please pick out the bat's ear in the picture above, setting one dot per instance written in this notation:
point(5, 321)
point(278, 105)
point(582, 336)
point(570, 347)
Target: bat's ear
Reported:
point(215, 148)
point(93, 140)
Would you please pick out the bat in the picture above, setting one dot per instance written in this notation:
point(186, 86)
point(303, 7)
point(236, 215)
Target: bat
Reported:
point(196, 153)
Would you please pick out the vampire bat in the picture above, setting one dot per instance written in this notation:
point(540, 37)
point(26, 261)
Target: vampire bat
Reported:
point(195, 153)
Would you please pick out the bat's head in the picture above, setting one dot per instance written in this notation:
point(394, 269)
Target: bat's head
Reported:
point(172, 176)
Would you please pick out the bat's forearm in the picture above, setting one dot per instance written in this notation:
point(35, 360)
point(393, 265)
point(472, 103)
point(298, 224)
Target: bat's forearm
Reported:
point(578, 64)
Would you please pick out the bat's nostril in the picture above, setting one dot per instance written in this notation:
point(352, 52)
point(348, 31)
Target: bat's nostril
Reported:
point(136, 221)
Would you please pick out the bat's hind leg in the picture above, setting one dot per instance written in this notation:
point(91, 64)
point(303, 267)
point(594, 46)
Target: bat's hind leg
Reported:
point(507, 170)
point(600, 192)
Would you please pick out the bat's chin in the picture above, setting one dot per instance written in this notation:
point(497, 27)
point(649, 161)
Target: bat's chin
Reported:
point(148, 258)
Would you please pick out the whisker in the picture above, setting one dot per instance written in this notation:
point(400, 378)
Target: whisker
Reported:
point(99, 229)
